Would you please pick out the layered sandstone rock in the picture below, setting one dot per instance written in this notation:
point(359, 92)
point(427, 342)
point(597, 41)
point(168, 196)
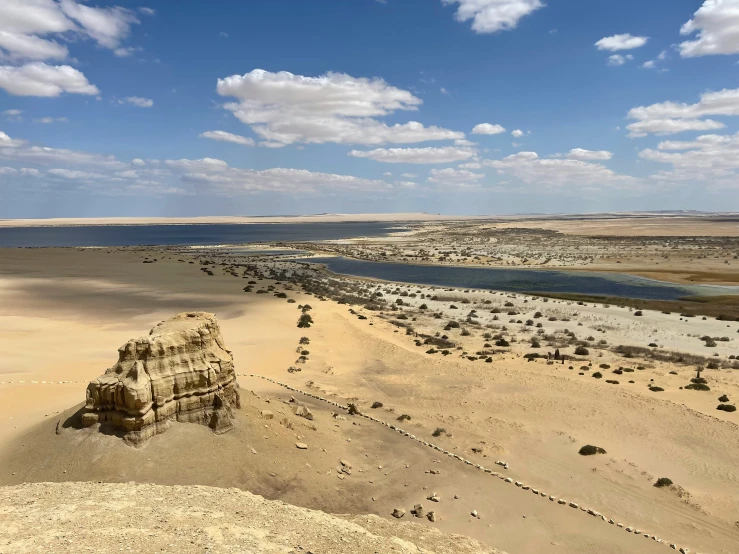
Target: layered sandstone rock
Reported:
point(181, 372)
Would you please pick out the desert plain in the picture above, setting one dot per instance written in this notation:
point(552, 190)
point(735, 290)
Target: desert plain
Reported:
point(505, 387)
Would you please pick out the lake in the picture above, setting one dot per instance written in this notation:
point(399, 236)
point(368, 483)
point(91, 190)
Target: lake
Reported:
point(521, 280)
point(202, 234)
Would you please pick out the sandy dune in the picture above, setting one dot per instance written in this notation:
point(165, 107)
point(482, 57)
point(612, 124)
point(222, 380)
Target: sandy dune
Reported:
point(64, 312)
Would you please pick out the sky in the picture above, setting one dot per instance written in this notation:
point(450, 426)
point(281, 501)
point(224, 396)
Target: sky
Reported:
point(281, 107)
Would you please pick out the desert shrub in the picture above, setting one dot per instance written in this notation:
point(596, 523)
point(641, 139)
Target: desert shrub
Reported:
point(698, 386)
point(638, 313)
point(726, 407)
point(604, 366)
point(598, 375)
point(305, 321)
point(376, 405)
point(404, 417)
point(581, 351)
point(611, 382)
point(438, 432)
point(304, 340)
point(656, 389)
point(502, 343)
point(353, 410)
point(280, 295)
point(723, 398)
point(712, 365)
point(663, 482)
point(590, 450)
point(653, 345)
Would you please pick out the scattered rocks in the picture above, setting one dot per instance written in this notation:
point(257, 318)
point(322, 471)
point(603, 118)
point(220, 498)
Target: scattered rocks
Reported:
point(398, 513)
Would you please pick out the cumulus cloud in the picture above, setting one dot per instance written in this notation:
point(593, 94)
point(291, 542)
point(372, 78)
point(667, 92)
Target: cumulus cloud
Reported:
point(667, 118)
point(488, 129)
point(717, 25)
point(518, 133)
point(491, 16)
point(139, 102)
point(40, 79)
point(588, 155)
point(284, 108)
point(710, 159)
point(223, 136)
point(618, 59)
point(451, 176)
point(428, 155)
point(529, 168)
point(26, 26)
point(616, 43)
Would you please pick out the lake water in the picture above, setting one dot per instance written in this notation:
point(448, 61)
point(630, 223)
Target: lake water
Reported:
point(204, 234)
point(521, 280)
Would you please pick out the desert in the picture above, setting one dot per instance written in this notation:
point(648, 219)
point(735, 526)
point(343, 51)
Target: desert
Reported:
point(398, 400)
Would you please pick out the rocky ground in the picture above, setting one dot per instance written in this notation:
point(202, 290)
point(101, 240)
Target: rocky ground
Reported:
point(70, 518)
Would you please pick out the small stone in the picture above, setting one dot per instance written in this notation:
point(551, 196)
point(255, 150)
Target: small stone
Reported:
point(301, 446)
point(431, 516)
point(473, 513)
point(398, 513)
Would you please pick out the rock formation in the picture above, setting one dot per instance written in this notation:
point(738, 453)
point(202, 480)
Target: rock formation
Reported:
point(182, 371)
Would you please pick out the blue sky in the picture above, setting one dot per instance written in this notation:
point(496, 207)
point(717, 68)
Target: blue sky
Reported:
point(268, 107)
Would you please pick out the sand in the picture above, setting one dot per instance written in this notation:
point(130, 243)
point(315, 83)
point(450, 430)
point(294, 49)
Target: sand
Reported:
point(64, 312)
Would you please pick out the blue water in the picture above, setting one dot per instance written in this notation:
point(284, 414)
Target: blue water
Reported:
point(521, 280)
point(204, 234)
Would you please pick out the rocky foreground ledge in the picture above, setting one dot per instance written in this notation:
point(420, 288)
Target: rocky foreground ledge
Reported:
point(91, 517)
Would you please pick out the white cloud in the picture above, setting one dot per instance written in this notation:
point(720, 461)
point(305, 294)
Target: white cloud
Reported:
point(491, 16)
point(710, 159)
point(13, 115)
point(488, 129)
point(464, 142)
point(26, 24)
point(217, 176)
point(651, 64)
point(428, 155)
point(618, 59)
point(48, 120)
point(588, 155)
point(139, 102)
point(616, 43)
point(223, 136)
point(148, 11)
point(30, 47)
point(284, 108)
point(471, 165)
point(529, 168)
point(518, 133)
point(409, 175)
point(717, 25)
point(451, 176)
point(667, 118)
point(30, 172)
point(40, 79)
point(107, 26)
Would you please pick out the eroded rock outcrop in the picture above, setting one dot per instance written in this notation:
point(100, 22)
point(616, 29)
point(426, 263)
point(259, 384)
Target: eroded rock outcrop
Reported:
point(182, 372)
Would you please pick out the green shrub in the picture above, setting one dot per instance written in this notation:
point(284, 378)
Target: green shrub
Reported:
point(663, 482)
point(698, 386)
point(376, 405)
point(726, 408)
point(598, 375)
point(723, 398)
point(404, 417)
point(581, 351)
point(438, 432)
